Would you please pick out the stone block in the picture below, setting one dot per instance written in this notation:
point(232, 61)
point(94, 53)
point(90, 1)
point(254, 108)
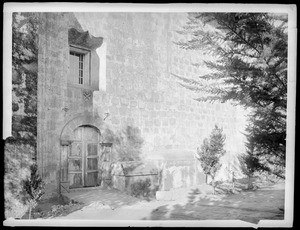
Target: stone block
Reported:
point(115, 101)
point(164, 195)
point(113, 110)
point(141, 105)
point(123, 111)
point(172, 121)
point(124, 102)
point(165, 122)
point(133, 104)
point(150, 106)
point(157, 122)
point(149, 123)
point(115, 120)
point(157, 106)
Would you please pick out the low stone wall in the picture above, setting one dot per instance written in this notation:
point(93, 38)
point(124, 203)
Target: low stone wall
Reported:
point(180, 174)
point(163, 175)
point(121, 175)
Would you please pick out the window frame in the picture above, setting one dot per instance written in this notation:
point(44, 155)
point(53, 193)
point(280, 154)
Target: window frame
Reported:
point(86, 63)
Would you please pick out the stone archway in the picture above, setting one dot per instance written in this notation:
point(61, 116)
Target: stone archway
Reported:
point(79, 150)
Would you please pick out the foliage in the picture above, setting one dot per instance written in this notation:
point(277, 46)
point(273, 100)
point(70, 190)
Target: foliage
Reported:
point(24, 78)
point(127, 143)
point(267, 132)
point(33, 188)
point(211, 151)
point(249, 164)
point(17, 162)
point(249, 68)
point(141, 188)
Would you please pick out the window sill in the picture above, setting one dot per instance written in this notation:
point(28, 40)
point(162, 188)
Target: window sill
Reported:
point(79, 86)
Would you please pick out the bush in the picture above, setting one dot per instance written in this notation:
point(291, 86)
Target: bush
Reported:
point(141, 188)
point(17, 163)
point(210, 152)
point(33, 188)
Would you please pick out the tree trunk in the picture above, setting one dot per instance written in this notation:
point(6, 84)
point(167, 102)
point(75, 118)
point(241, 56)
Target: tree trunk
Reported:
point(213, 185)
point(29, 214)
point(249, 182)
point(233, 182)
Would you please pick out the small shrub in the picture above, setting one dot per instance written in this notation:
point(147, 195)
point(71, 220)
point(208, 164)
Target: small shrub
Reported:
point(210, 152)
point(33, 188)
point(141, 188)
point(17, 163)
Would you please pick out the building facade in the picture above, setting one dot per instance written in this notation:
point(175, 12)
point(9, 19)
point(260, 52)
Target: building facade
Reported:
point(117, 70)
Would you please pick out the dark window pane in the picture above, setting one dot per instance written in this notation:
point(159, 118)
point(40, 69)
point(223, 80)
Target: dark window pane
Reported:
point(75, 165)
point(92, 149)
point(76, 149)
point(75, 180)
point(92, 179)
point(92, 163)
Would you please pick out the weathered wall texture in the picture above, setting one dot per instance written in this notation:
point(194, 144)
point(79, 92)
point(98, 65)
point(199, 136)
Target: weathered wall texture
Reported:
point(24, 81)
point(58, 102)
point(142, 91)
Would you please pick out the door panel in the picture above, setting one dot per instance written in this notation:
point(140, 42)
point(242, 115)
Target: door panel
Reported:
point(91, 179)
point(75, 180)
point(76, 149)
point(90, 134)
point(78, 134)
point(92, 157)
point(84, 158)
point(75, 165)
point(64, 163)
point(92, 164)
point(92, 149)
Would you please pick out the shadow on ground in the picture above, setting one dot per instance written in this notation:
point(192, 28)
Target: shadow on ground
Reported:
point(97, 198)
point(110, 197)
point(250, 206)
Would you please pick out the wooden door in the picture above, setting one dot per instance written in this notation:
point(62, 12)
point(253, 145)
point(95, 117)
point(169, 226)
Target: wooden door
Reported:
point(83, 158)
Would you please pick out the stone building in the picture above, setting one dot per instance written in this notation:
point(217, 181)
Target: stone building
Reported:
point(116, 69)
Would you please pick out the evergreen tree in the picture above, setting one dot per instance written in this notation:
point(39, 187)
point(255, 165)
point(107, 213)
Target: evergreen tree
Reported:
point(249, 162)
point(210, 152)
point(266, 135)
point(249, 68)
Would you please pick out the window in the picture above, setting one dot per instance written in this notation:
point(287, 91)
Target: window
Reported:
point(76, 66)
point(79, 66)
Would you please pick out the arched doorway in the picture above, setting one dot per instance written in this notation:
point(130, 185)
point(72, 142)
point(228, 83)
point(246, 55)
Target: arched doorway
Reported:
point(81, 151)
point(83, 157)
point(80, 156)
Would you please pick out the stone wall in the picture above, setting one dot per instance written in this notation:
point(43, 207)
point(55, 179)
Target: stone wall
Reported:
point(181, 174)
point(141, 90)
point(58, 101)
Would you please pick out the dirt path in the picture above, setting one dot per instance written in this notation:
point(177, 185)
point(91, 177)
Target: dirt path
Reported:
point(249, 206)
